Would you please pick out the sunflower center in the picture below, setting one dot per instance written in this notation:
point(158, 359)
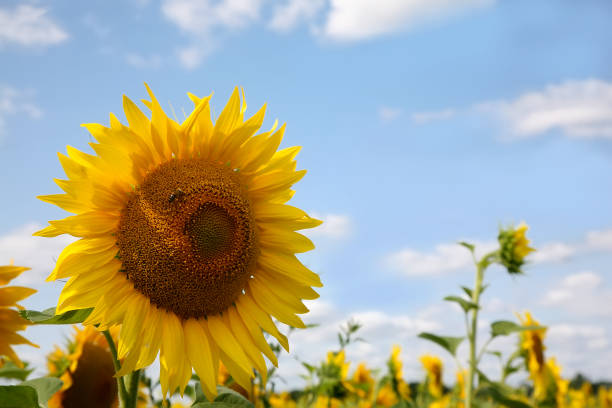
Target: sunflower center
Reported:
point(187, 239)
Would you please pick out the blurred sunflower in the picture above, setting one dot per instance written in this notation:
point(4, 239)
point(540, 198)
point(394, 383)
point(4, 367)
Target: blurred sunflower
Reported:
point(399, 386)
point(514, 247)
point(561, 385)
point(363, 382)
point(10, 320)
point(532, 343)
point(186, 240)
point(282, 400)
point(433, 368)
point(86, 369)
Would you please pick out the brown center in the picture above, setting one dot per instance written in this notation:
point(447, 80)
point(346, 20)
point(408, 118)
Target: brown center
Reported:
point(187, 238)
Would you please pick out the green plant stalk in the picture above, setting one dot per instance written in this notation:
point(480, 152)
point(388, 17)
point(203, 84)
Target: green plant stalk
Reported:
point(123, 394)
point(469, 392)
point(133, 390)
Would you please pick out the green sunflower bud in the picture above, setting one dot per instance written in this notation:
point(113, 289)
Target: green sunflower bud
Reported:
point(514, 247)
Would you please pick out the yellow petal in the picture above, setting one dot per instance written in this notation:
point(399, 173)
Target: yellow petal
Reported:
point(10, 272)
point(287, 264)
point(200, 355)
point(248, 309)
point(90, 224)
point(12, 294)
point(227, 343)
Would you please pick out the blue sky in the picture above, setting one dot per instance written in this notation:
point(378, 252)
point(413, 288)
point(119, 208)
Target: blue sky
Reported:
point(422, 123)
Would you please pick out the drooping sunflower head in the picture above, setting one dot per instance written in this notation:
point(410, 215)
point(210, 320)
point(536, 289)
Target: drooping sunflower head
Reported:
point(395, 363)
point(184, 230)
point(532, 344)
point(514, 247)
point(10, 320)
point(433, 368)
point(86, 369)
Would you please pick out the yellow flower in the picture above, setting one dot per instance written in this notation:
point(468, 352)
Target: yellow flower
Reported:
point(283, 400)
point(433, 367)
point(605, 397)
point(561, 385)
point(386, 397)
point(443, 402)
point(327, 402)
point(185, 240)
point(395, 363)
point(10, 320)
point(532, 342)
point(337, 359)
point(363, 381)
point(86, 370)
point(514, 247)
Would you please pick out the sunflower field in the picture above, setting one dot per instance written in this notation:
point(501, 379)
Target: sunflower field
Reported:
point(186, 254)
point(411, 211)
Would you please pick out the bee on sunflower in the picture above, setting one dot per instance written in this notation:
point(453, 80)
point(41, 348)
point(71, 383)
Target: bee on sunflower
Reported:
point(185, 240)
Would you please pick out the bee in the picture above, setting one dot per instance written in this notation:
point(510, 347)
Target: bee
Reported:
point(177, 193)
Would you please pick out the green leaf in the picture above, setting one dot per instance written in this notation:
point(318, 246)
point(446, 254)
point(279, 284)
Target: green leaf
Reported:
point(226, 398)
point(506, 327)
point(10, 370)
point(467, 291)
point(469, 246)
point(448, 343)
point(501, 395)
point(18, 396)
point(45, 388)
point(466, 305)
point(48, 316)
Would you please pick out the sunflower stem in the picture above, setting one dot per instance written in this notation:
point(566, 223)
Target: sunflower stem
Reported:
point(133, 390)
point(123, 395)
point(469, 392)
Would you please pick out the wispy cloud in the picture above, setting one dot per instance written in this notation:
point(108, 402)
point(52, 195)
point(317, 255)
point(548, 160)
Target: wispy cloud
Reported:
point(388, 113)
point(335, 226)
point(583, 293)
point(29, 26)
point(15, 102)
point(34, 252)
point(205, 20)
point(450, 257)
point(577, 109)
point(141, 61)
point(288, 15)
point(353, 20)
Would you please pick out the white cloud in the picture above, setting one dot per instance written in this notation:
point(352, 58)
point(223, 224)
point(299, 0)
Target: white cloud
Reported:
point(444, 258)
point(426, 117)
point(335, 226)
point(387, 113)
point(288, 15)
point(582, 293)
point(13, 102)
point(552, 252)
point(201, 16)
point(141, 61)
point(99, 29)
point(29, 26)
point(577, 109)
point(205, 20)
point(34, 252)
point(352, 20)
point(599, 240)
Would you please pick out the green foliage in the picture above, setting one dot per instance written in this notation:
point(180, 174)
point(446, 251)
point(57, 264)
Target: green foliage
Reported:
point(12, 371)
point(346, 333)
point(29, 394)
point(466, 305)
point(450, 344)
point(506, 327)
point(48, 316)
point(226, 398)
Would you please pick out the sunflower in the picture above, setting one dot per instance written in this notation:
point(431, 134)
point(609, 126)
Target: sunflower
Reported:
point(395, 364)
point(514, 247)
point(10, 320)
point(532, 343)
point(433, 368)
point(185, 240)
point(86, 370)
